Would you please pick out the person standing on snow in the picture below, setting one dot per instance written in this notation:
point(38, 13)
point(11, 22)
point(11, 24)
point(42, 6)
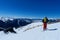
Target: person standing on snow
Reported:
point(45, 21)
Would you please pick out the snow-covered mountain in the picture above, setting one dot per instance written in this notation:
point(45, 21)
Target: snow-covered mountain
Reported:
point(8, 25)
point(30, 19)
point(36, 33)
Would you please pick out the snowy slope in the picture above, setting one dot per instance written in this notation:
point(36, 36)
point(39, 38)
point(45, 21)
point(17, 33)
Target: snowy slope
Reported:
point(35, 33)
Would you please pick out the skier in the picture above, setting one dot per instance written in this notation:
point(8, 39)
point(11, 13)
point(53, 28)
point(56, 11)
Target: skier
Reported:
point(45, 21)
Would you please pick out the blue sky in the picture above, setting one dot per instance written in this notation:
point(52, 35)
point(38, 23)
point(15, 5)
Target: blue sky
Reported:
point(30, 8)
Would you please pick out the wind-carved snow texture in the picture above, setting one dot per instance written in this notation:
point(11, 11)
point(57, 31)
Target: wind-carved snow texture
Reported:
point(35, 33)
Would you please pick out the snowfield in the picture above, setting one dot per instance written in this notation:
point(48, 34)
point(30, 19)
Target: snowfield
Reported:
point(35, 33)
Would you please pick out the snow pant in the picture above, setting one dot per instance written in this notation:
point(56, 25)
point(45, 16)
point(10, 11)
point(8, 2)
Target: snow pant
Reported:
point(44, 26)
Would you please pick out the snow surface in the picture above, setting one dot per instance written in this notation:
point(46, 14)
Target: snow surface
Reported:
point(35, 33)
